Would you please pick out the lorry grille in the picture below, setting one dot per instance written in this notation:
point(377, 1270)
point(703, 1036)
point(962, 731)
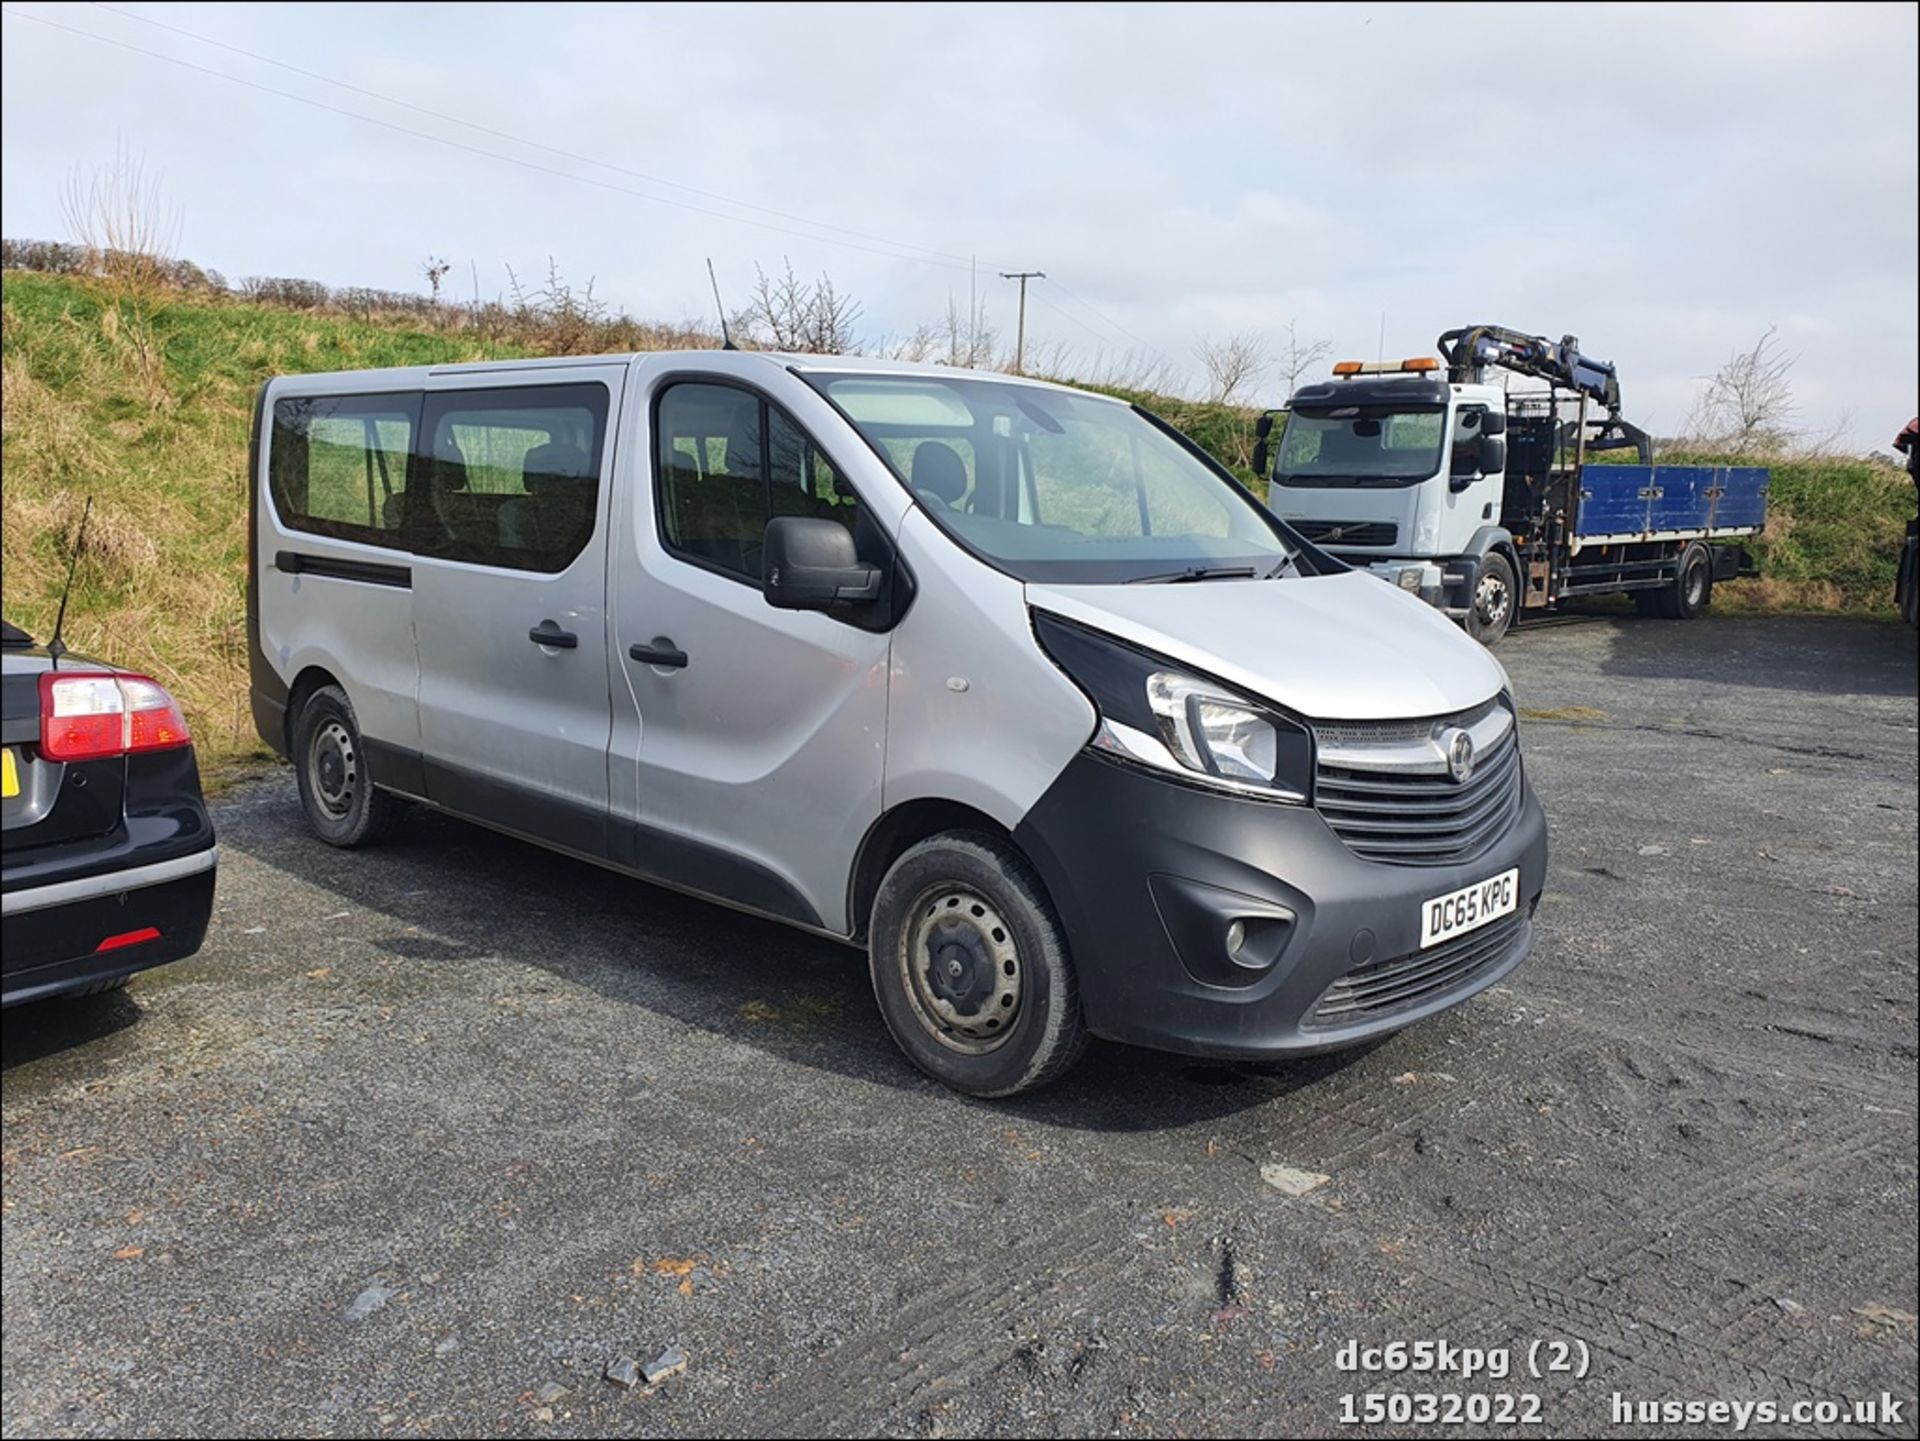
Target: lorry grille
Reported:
point(1383, 987)
point(1387, 791)
point(1348, 532)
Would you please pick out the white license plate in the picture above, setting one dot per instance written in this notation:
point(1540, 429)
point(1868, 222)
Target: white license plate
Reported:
point(1469, 908)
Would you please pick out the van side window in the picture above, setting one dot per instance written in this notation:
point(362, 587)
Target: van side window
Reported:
point(338, 465)
point(511, 477)
point(725, 463)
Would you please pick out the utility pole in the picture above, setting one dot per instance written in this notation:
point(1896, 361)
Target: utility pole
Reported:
point(1020, 334)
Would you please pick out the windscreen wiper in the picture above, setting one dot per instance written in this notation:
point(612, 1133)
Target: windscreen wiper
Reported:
point(1197, 572)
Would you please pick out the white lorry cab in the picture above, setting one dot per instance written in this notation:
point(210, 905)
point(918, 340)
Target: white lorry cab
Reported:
point(1488, 502)
point(1005, 683)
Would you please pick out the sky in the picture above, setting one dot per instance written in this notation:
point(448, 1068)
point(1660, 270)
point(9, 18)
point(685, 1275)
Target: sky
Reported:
point(1663, 182)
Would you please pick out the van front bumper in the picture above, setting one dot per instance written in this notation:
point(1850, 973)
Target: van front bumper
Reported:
point(1149, 874)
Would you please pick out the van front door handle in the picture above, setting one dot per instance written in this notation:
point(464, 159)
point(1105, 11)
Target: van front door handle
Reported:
point(661, 652)
point(547, 633)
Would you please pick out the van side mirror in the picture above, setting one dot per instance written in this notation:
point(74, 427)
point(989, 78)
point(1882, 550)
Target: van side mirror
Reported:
point(810, 564)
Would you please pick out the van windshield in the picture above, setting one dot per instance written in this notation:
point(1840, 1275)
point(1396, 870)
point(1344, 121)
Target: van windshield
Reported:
point(1364, 445)
point(1054, 486)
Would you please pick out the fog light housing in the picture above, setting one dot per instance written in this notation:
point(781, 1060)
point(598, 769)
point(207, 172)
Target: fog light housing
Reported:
point(1255, 942)
point(1410, 578)
point(1223, 938)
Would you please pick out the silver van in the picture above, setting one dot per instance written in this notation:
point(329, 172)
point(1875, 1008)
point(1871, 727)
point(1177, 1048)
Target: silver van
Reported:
point(1005, 683)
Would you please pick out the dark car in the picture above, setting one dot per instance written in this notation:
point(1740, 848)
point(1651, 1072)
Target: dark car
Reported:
point(107, 854)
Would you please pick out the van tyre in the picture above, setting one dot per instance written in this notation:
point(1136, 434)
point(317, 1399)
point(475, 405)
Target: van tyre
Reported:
point(970, 967)
point(330, 764)
point(1496, 595)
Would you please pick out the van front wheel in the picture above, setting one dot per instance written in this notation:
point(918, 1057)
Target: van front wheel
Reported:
point(330, 765)
point(971, 969)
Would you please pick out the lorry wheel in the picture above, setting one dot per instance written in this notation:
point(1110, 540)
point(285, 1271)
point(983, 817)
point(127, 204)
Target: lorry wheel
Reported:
point(1692, 589)
point(330, 765)
point(970, 967)
point(1495, 594)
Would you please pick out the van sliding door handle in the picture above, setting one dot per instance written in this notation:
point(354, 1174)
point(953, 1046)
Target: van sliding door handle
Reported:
point(547, 633)
point(661, 652)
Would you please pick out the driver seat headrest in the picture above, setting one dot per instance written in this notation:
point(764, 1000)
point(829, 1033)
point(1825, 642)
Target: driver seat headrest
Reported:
point(939, 472)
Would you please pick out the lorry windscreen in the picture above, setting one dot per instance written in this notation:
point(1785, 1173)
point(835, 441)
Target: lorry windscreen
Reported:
point(1054, 486)
point(1360, 445)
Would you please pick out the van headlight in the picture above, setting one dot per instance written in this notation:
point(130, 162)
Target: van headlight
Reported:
point(1155, 713)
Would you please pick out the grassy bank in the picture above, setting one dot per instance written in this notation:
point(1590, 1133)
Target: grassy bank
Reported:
point(144, 407)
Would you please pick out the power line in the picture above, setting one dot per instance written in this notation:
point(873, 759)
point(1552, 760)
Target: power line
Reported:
point(521, 139)
point(1068, 294)
point(474, 149)
point(881, 246)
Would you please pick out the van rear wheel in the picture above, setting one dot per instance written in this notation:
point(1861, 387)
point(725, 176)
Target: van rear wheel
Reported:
point(330, 765)
point(970, 967)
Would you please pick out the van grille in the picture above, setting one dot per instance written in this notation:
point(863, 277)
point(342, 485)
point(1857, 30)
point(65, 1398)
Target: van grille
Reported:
point(1348, 532)
point(1386, 791)
point(1383, 987)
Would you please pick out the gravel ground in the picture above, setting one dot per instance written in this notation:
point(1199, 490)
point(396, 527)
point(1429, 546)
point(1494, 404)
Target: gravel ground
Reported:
point(427, 1137)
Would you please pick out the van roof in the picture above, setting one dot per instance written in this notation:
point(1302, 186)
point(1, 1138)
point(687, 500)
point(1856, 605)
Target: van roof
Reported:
point(784, 360)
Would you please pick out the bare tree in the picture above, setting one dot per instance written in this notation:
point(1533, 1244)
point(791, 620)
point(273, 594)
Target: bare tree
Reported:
point(119, 213)
point(784, 312)
point(435, 270)
point(830, 320)
point(924, 342)
point(1233, 364)
point(1747, 405)
point(1831, 442)
point(969, 339)
point(565, 320)
point(1298, 357)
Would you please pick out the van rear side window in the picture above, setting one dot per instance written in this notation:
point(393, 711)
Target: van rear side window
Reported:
point(511, 477)
point(339, 465)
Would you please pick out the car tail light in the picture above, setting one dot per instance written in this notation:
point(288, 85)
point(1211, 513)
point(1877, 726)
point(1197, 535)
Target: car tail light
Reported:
point(128, 938)
point(89, 715)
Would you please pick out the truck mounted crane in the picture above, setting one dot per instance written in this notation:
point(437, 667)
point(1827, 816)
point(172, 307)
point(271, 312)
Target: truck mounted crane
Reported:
point(1482, 499)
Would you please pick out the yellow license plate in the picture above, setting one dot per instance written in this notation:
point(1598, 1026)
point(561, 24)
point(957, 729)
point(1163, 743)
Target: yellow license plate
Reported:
point(9, 775)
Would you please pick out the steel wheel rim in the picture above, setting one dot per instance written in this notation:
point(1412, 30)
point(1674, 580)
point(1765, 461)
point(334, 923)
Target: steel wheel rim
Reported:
point(960, 969)
point(1492, 599)
point(333, 769)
